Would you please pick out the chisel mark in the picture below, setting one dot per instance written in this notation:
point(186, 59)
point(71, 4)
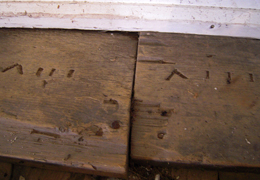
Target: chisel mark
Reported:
point(207, 74)
point(175, 71)
point(52, 71)
point(39, 71)
point(45, 133)
point(156, 61)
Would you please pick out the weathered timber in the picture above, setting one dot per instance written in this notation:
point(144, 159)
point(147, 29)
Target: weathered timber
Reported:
point(61, 92)
point(196, 100)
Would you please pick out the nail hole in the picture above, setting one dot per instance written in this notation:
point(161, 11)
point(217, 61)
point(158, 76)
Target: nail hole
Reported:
point(207, 74)
point(212, 26)
point(251, 77)
point(164, 113)
point(210, 55)
point(229, 78)
point(44, 83)
point(115, 125)
point(38, 73)
point(70, 73)
point(160, 135)
point(52, 71)
point(20, 69)
point(81, 138)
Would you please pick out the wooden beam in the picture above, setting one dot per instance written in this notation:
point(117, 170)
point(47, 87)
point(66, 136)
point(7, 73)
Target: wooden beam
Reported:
point(65, 98)
point(196, 100)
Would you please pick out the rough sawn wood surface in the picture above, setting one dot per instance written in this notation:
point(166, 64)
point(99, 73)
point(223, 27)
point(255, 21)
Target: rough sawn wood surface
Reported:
point(196, 100)
point(65, 98)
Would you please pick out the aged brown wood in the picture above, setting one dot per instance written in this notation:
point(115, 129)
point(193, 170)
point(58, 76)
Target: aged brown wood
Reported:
point(29, 173)
point(60, 94)
point(5, 171)
point(196, 100)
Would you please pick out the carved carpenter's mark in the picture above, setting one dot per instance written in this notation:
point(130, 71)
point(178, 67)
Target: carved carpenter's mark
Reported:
point(52, 71)
point(70, 73)
point(175, 71)
point(251, 77)
point(45, 133)
point(207, 74)
point(156, 61)
point(180, 74)
point(229, 78)
point(67, 157)
point(19, 68)
point(170, 76)
point(10, 67)
point(39, 71)
point(44, 83)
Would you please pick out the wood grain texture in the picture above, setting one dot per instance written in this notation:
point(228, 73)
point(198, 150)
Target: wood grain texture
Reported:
point(5, 171)
point(65, 97)
point(196, 100)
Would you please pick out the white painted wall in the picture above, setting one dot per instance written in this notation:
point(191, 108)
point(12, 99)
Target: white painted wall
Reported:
point(239, 18)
